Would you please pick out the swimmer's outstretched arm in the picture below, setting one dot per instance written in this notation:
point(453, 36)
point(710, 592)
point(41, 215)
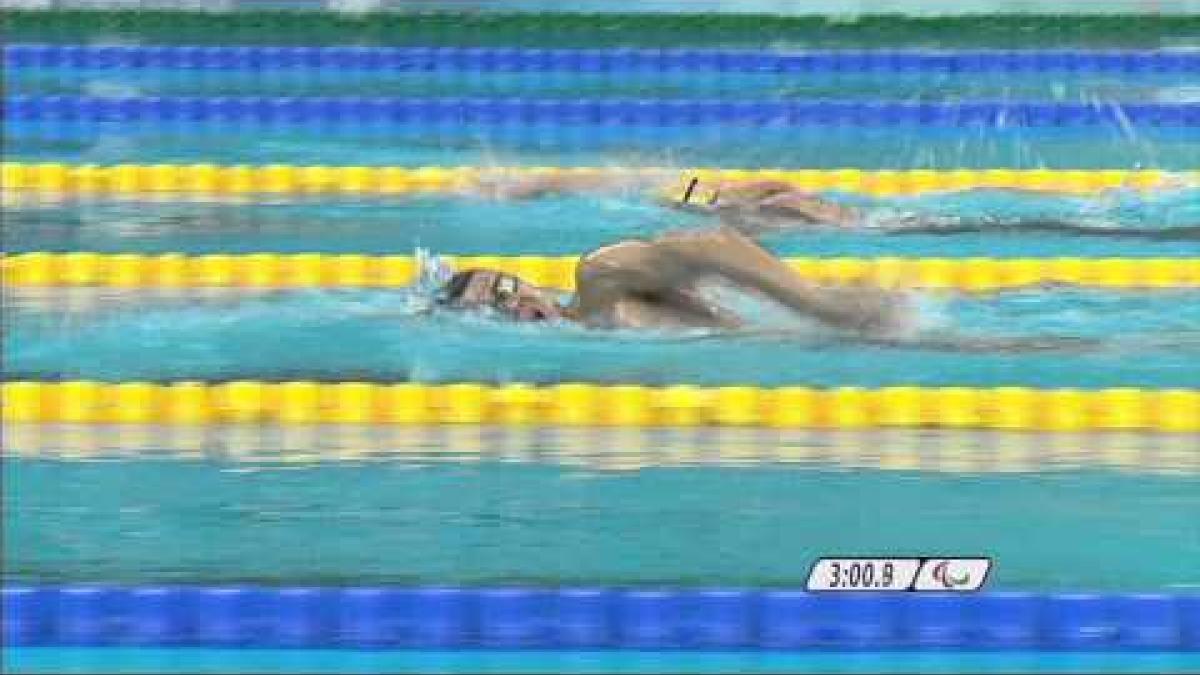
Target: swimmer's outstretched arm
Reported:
point(680, 260)
point(535, 186)
point(761, 207)
point(796, 214)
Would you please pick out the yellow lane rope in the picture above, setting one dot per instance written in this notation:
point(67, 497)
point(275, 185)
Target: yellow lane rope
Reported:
point(573, 404)
point(308, 270)
point(208, 179)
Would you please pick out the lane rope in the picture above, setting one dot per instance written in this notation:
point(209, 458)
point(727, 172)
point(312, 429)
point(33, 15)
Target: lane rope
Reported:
point(283, 179)
point(314, 270)
point(19, 57)
point(525, 617)
point(580, 404)
point(69, 112)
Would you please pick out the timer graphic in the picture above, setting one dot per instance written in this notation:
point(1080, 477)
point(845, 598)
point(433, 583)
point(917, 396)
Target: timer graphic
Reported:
point(898, 574)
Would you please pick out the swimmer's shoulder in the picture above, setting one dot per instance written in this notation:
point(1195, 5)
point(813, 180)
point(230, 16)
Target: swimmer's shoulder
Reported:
point(613, 252)
point(609, 267)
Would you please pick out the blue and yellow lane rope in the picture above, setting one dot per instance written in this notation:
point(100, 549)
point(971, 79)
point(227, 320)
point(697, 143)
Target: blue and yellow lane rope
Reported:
point(281, 179)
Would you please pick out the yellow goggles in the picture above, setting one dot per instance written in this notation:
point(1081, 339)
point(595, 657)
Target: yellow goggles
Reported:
point(693, 192)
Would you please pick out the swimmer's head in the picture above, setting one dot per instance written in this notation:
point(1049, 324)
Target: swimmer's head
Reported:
point(510, 295)
point(693, 193)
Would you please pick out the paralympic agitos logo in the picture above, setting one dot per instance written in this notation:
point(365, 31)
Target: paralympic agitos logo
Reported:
point(952, 574)
point(944, 574)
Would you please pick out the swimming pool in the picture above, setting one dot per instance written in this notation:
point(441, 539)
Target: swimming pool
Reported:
point(228, 376)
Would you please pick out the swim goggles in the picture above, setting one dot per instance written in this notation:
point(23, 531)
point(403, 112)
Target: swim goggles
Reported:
point(703, 197)
point(504, 291)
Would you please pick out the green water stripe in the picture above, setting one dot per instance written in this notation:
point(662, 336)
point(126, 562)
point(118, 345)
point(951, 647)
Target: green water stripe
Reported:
point(557, 30)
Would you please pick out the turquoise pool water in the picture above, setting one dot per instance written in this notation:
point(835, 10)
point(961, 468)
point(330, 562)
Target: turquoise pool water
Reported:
point(1050, 338)
point(1071, 337)
point(468, 507)
point(395, 518)
point(986, 223)
point(316, 661)
point(898, 147)
point(501, 522)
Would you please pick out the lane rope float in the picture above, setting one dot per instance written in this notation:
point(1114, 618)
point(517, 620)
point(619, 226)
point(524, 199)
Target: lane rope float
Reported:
point(312, 270)
point(525, 617)
point(22, 57)
point(285, 179)
point(625, 405)
point(70, 112)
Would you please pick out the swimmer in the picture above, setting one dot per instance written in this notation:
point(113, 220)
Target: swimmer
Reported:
point(728, 198)
point(761, 206)
point(774, 202)
point(658, 284)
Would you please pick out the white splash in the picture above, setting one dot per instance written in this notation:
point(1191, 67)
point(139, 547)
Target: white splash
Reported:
point(353, 6)
point(432, 270)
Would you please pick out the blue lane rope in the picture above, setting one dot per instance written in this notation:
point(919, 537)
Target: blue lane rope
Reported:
point(516, 111)
point(577, 618)
point(31, 56)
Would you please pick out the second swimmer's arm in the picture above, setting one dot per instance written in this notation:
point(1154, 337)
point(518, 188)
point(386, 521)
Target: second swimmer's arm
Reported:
point(535, 186)
point(787, 211)
point(809, 208)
